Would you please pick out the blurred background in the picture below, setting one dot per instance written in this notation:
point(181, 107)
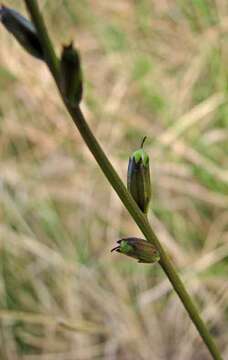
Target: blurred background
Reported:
point(151, 67)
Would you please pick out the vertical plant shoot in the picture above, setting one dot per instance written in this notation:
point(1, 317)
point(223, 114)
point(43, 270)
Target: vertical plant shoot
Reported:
point(138, 181)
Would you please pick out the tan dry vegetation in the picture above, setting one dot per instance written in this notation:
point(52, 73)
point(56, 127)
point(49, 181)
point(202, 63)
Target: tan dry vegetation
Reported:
point(155, 68)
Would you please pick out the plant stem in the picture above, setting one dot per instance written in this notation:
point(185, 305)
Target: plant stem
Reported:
point(49, 52)
point(119, 186)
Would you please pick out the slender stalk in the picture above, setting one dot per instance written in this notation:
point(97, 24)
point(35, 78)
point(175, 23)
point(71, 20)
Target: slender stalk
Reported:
point(49, 52)
point(120, 188)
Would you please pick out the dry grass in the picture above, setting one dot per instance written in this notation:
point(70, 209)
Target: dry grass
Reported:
point(151, 67)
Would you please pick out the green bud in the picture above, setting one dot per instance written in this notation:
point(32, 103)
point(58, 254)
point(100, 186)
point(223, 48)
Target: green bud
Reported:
point(71, 75)
point(138, 178)
point(23, 30)
point(139, 249)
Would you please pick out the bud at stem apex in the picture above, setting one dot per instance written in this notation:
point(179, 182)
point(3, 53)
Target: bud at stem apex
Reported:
point(23, 31)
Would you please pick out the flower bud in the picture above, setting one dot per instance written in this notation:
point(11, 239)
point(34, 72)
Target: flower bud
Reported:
point(71, 75)
point(23, 30)
point(139, 249)
point(138, 178)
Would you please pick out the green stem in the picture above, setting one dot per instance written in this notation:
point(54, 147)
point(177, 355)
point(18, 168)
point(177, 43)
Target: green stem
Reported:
point(120, 188)
point(49, 52)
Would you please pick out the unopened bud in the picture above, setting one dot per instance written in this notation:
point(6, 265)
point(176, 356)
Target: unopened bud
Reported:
point(71, 75)
point(23, 30)
point(139, 249)
point(138, 178)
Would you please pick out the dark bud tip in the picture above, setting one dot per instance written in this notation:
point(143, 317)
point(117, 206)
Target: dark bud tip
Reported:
point(115, 249)
point(2, 9)
point(143, 141)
